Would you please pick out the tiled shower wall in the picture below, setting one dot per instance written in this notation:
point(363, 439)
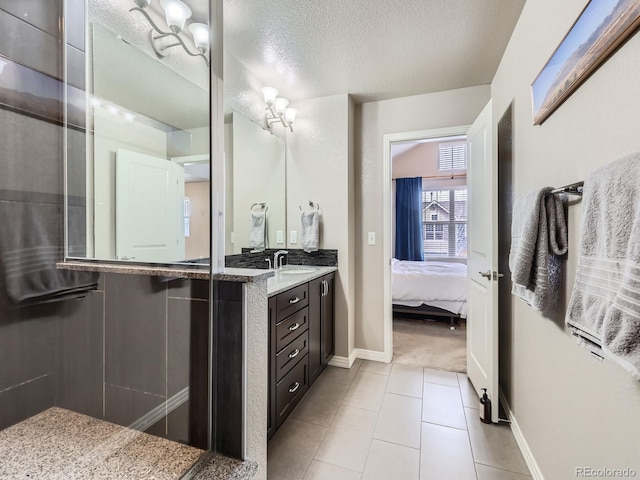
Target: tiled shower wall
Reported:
point(123, 350)
point(31, 161)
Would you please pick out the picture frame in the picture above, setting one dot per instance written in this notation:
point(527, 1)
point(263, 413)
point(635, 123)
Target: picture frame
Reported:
point(602, 27)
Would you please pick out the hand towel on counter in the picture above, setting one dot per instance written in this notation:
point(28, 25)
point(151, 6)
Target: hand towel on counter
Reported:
point(258, 231)
point(538, 230)
point(310, 230)
point(30, 246)
point(604, 308)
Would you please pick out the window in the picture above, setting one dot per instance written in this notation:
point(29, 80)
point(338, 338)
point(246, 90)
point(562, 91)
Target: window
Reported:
point(452, 156)
point(444, 221)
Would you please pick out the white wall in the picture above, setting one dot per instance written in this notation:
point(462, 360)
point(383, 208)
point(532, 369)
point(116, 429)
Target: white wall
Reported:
point(320, 168)
point(373, 121)
point(572, 410)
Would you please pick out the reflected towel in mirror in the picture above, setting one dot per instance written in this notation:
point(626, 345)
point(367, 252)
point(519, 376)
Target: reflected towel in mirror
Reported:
point(258, 231)
point(310, 230)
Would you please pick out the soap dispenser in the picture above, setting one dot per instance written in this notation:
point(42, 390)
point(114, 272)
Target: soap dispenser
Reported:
point(485, 407)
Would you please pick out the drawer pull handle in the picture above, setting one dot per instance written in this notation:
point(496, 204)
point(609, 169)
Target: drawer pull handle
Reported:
point(294, 354)
point(295, 387)
point(293, 300)
point(294, 327)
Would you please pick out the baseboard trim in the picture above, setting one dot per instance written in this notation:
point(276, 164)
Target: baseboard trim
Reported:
point(347, 362)
point(372, 355)
point(529, 459)
point(342, 362)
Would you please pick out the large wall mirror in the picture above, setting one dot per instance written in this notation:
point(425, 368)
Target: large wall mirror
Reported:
point(144, 165)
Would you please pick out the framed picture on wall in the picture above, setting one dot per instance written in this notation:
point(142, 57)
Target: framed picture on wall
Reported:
point(600, 29)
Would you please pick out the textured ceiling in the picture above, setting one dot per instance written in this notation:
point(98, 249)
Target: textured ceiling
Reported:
point(372, 49)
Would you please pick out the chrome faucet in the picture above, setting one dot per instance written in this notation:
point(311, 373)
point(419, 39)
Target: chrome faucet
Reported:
point(277, 258)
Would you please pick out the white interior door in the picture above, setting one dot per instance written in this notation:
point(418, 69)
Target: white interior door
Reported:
point(149, 208)
point(482, 261)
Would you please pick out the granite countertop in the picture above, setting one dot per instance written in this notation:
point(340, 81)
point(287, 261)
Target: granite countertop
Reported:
point(288, 277)
point(246, 275)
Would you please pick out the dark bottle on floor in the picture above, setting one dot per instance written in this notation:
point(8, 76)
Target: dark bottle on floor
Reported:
point(485, 407)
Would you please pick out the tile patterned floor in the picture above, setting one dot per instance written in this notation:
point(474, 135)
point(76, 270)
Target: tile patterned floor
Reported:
point(382, 421)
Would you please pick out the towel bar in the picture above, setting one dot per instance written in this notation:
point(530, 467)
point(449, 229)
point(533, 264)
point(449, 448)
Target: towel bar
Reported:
point(572, 189)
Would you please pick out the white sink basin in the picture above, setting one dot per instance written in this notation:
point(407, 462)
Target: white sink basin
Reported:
point(297, 271)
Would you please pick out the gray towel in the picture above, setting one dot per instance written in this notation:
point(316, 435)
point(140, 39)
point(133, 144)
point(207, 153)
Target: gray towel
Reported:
point(539, 229)
point(310, 233)
point(30, 246)
point(258, 231)
point(604, 308)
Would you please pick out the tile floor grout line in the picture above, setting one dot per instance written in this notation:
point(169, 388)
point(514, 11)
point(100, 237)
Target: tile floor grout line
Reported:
point(503, 469)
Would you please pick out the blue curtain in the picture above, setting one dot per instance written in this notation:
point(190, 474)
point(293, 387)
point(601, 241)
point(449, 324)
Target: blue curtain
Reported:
point(409, 219)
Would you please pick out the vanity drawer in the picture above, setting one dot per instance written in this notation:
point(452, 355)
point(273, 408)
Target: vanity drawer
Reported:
point(291, 327)
point(291, 389)
point(292, 300)
point(291, 355)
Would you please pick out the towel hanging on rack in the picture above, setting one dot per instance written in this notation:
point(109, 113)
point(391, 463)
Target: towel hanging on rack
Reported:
point(604, 308)
point(538, 230)
point(258, 227)
point(310, 228)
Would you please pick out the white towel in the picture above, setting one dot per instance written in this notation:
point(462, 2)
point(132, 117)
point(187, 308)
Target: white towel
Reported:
point(258, 231)
point(604, 308)
point(538, 230)
point(310, 230)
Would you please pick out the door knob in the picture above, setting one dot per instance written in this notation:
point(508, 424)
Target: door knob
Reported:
point(486, 274)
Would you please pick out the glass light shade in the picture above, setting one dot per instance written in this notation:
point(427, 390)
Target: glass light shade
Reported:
point(2, 65)
point(142, 3)
point(290, 115)
point(200, 33)
point(281, 105)
point(129, 117)
point(113, 110)
point(95, 102)
point(270, 95)
point(177, 13)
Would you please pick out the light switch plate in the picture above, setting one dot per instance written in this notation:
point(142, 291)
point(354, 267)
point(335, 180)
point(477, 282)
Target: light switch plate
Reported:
point(279, 237)
point(294, 236)
point(371, 238)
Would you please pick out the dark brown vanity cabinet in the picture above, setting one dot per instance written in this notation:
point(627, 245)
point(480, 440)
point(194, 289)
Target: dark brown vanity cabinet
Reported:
point(300, 344)
point(321, 308)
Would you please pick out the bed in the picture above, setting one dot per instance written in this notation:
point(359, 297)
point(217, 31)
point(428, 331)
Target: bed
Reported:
point(429, 288)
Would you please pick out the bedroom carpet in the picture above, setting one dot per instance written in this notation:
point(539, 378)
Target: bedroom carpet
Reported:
point(430, 344)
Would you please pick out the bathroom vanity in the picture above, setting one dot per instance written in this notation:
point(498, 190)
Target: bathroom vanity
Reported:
point(301, 339)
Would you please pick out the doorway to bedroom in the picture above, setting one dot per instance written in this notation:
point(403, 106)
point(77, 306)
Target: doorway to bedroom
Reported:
point(429, 250)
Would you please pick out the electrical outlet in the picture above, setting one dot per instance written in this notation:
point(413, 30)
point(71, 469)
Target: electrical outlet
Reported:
point(279, 237)
point(294, 236)
point(371, 238)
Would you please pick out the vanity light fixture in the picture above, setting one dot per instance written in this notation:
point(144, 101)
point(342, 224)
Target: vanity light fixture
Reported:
point(176, 13)
point(2, 65)
point(277, 109)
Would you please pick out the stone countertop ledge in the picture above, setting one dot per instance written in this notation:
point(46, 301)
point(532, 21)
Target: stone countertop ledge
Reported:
point(245, 275)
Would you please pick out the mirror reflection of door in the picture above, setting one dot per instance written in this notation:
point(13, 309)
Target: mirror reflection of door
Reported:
point(149, 208)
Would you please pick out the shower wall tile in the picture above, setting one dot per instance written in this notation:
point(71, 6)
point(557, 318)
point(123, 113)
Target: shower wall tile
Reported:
point(185, 288)
point(31, 154)
point(76, 67)
point(76, 26)
point(42, 14)
point(135, 333)
point(26, 400)
point(178, 425)
point(125, 406)
point(79, 355)
point(27, 341)
point(18, 39)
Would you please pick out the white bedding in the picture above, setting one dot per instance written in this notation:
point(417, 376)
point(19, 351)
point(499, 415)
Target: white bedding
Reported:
point(439, 284)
